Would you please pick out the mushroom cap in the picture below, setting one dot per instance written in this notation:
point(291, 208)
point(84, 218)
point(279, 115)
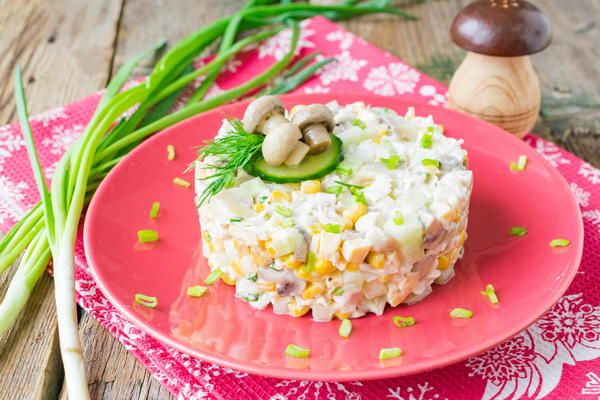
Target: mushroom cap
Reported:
point(502, 28)
point(313, 114)
point(260, 109)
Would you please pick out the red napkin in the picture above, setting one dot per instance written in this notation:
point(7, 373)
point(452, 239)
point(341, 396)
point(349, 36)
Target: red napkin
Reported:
point(555, 358)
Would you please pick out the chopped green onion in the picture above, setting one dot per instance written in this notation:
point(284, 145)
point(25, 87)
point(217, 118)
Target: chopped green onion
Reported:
point(310, 262)
point(262, 199)
point(236, 220)
point(284, 211)
point(391, 352)
point(522, 163)
point(196, 291)
point(334, 190)
point(430, 129)
point(146, 301)
point(170, 152)
point(490, 292)
point(348, 185)
point(181, 182)
point(296, 351)
point(461, 313)
point(560, 243)
point(288, 223)
point(398, 217)
point(154, 209)
point(213, 277)
point(427, 140)
point(147, 235)
point(345, 328)
point(392, 162)
point(331, 228)
point(253, 277)
point(403, 322)
point(429, 161)
point(343, 171)
point(358, 195)
point(359, 123)
point(519, 165)
point(518, 231)
point(251, 297)
point(338, 291)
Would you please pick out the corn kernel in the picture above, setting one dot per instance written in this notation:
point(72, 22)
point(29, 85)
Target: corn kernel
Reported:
point(383, 132)
point(341, 315)
point(227, 280)
point(312, 290)
point(236, 267)
point(279, 196)
point(313, 186)
point(323, 267)
point(377, 140)
point(262, 244)
point(356, 211)
point(267, 287)
point(352, 267)
point(315, 229)
point(292, 262)
point(272, 252)
point(303, 274)
point(259, 259)
point(210, 246)
point(450, 214)
point(292, 186)
point(376, 260)
point(462, 237)
point(384, 278)
point(259, 207)
point(443, 262)
point(346, 225)
point(297, 311)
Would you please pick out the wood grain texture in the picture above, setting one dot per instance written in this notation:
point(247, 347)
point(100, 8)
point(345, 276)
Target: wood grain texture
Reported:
point(75, 46)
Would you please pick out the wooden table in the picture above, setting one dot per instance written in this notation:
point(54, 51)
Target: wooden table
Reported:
point(70, 48)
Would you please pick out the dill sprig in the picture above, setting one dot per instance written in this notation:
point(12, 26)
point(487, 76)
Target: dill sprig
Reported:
point(236, 149)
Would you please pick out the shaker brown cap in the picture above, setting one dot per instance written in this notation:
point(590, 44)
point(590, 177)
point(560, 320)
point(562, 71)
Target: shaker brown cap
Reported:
point(503, 28)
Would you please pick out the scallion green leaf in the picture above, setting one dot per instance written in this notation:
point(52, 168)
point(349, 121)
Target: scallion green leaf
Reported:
point(196, 291)
point(391, 352)
point(331, 228)
point(310, 262)
point(461, 313)
point(345, 328)
point(403, 322)
point(338, 291)
point(398, 217)
point(154, 209)
point(284, 211)
point(253, 277)
point(146, 301)
point(560, 243)
point(359, 123)
point(170, 152)
point(334, 190)
point(181, 182)
point(213, 276)
point(251, 298)
point(343, 171)
point(296, 351)
point(518, 231)
point(232, 220)
point(429, 161)
point(427, 140)
point(147, 235)
point(490, 292)
point(392, 162)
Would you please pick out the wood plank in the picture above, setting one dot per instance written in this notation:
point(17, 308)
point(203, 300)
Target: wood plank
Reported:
point(65, 49)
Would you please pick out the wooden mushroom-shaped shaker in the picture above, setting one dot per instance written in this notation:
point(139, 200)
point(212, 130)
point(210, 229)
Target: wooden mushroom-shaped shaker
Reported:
point(496, 81)
point(282, 138)
point(316, 122)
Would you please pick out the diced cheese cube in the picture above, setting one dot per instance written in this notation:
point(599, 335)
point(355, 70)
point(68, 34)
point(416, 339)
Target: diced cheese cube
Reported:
point(378, 189)
point(355, 250)
point(232, 203)
point(243, 234)
point(254, 186)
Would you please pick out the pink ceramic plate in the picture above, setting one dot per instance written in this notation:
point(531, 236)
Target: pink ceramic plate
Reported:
point(528, 275)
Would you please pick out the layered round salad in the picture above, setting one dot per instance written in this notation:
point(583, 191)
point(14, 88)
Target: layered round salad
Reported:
point(337, 210)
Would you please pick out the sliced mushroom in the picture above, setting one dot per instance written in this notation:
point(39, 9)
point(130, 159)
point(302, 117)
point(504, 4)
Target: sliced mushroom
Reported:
point(280, 142)
point(316, 122)
point(297, 155)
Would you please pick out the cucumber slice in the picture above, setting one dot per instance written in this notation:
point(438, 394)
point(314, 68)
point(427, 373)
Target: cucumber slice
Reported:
point(312, 167)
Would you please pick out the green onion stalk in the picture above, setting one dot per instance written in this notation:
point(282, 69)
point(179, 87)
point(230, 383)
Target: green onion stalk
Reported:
point(49, 229)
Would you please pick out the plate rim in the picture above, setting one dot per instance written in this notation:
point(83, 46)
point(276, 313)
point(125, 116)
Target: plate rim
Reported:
point(341, 376)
